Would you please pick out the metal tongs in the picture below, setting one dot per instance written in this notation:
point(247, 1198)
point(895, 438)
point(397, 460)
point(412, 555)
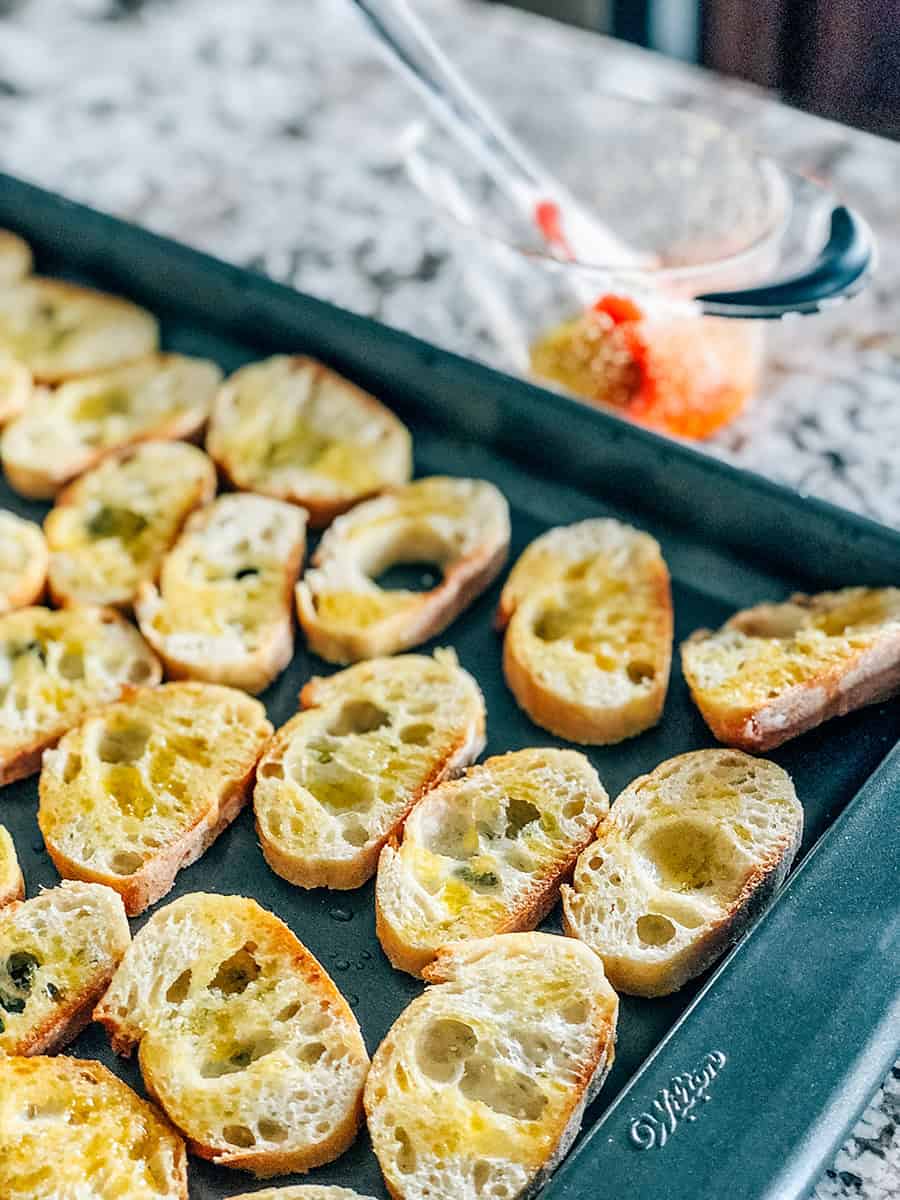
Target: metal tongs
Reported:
point(841, 270)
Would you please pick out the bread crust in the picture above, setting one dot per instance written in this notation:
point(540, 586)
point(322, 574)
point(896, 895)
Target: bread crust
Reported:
point(277, 938)
point(12, 882)
point(625, 971)
point(871, 676)
point(15, 257)
point(29, 589)
point(16, 387)
point(143, 329)
point(321, 507)
point(538, 583)
point(26, 759)
point(254, 671)
point(466, 575)
point(44, 480)
point(73, 494)
point(130, 1109)
point(71, 1014)
point(157, 875)
point(343, 874)
point(587, 1075)
point(533, 902)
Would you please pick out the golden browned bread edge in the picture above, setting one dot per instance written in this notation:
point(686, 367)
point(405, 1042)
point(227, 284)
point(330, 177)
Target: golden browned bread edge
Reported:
point(320, 511)
point(464, 581)
point(203, 493)
point(256, 671)
point(873, 675)
point(534, 905)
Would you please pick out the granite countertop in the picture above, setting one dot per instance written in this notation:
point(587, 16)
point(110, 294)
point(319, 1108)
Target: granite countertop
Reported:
point(267, 133)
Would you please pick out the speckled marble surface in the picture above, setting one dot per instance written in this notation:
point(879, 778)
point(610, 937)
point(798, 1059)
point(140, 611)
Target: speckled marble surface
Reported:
point(271, 138)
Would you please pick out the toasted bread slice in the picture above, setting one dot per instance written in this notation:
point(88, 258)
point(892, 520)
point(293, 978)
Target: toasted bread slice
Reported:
point(587, 611)
point(340, 778)
point(688, 856)
point(15, 257)
point(54, 668)
point(23, 562)
point(69, 1127)
point(480, 1085)
point(143, 787)
point(58, 952)
point(289, 427)
point(777, 670)
point(244, 1039)
point(223, 610)
point(16, 388)
point(61, 331)
point(12, 885)
point(111, 528)
point(486, 853)
point(70, 430)
point(459, 525)
point(304, 1191)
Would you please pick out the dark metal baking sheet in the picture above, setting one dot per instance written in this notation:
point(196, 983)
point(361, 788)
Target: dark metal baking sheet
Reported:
point(792, 1032)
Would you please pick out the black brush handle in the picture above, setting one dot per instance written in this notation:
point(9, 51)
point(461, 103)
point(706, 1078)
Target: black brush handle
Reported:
point(842, 269)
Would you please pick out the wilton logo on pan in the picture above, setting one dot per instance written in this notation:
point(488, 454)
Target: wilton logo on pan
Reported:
point(675, 1103)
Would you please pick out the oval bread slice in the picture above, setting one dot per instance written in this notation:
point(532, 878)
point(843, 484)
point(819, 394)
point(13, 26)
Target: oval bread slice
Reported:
point(774, 671)
point(587, 611)
point(244, 1039)
point(480, 1086)
point(60, 330)
point(111, 528)
point(689, 855)
point(143, 787)
point(223, 608)
point(68, 1125)
point(15, 257)
point(293, 429)
point(67, 431)
point(12, 885)
point(340, 778)
point(23, 562)
point(54, 668)
point(16, 388)
point(58, 952)
point(459, 525)
point(486, 853)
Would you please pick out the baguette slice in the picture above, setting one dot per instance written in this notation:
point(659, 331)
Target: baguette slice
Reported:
point(775, 671)
point(293, 429)
point(111, 528)
point(12, 885)
point(223, 610)
point(486, 853)
point(70, 430)
point(587, 611)
point(23, 562)
point(143, 787)
point(460, 525)
point(304, 1191)
point(61, 331)
point(480, 1086)
point(16, 387)
point(340, 778)
point(244, 1039)
point(54, 668)
point(15, 257)
point(689, 856)
point(69, 1128)
point(58, 952)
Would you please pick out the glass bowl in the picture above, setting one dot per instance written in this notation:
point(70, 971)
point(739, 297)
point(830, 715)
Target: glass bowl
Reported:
point(701, 210)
